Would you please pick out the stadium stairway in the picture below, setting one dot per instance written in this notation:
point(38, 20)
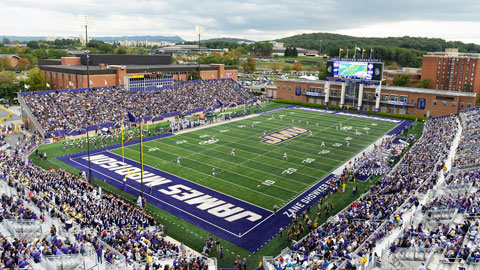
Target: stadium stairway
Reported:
point(413, 216)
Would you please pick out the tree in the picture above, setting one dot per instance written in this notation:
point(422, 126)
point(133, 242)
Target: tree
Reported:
point(121, 50)
point(194, 75)
point(23, 64)
point(393, 66)
point(7, 84)
point(403, 80)
point(286, 68)
point(275, 66)
point(287, 52)
point(252, 64)
point(5, 41)
point(33, 44)
point(5, 63)
point(294, 52)
point(322, 72)
point(36, 80)
point(425, 83)
point(297, 66)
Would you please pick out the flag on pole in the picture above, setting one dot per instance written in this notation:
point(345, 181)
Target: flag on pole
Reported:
point(357, 48)
point(363, 50)
point(339, 51)
point(105, 82)
point(131, 118)
point(27, 86)
point(48, 85)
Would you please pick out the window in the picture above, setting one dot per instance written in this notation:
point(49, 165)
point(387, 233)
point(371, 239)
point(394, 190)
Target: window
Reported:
point(454, 104)
point(312, 89)
point(319, 90)
point(392, 110)
point(284, 87)
point(384, 97)
point(334, 92)
point(394, 97)
point(462, 105)
point(434, 103)
point(289, 88)
point(444, 103)
point(367, 95)
point(404, 99)
point(469, 105)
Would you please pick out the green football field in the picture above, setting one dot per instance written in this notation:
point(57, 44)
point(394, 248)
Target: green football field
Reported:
point(258, 173)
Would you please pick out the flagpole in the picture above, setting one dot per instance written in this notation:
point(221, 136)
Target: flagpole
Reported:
point(371, 50)
point(339, 50)
point(363, 50)
point(355, 51)
point(347, 51)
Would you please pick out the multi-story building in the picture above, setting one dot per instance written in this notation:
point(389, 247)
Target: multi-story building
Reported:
point(110, 70)
point(451, 70)
point(391, 99)
point(414, 74)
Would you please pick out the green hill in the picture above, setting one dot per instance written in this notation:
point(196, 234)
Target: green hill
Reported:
point(406, 51)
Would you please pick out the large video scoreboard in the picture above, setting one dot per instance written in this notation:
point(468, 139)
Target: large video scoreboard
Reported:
point(354, 69)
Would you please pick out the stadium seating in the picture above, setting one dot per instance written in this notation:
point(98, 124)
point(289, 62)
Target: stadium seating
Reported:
point(73, 109)
point(124, 234)
point(356, 230)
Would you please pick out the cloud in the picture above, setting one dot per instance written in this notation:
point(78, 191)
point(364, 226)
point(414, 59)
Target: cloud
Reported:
point(252, 19)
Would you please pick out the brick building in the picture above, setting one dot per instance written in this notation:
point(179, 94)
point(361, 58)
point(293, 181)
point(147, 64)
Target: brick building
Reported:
point(12, 58)
point(414, 74)
point(451, 70)
point(109, 70)
point(391, 99)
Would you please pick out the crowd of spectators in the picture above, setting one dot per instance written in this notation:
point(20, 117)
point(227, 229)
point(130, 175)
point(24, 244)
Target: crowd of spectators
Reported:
point(359, 223)
point(457, 237)
point(99, 217)
point(376, 161)
point(74, 109)
point(468, 152)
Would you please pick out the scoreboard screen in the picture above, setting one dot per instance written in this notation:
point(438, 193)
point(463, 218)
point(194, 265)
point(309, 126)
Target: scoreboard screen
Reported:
point(360, 70)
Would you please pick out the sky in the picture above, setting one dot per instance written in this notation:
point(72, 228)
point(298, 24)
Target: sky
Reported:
point(255, 20)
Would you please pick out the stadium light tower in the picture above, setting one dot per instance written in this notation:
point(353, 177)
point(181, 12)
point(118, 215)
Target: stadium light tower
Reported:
point(199, 30)
point(87, 21)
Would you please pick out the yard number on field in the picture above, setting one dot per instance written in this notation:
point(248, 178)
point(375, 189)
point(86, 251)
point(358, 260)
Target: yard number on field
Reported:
point(308, 160)
point(268, 182)
point(289, 171)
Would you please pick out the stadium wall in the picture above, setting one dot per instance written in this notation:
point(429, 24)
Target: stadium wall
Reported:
point(418, 101)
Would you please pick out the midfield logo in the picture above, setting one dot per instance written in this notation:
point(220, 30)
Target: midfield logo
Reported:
point(283, 135)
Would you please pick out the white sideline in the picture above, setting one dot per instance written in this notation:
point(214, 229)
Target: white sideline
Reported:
point(214, 124)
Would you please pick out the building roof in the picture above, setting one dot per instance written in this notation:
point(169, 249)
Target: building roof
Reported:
point(15, 45)
point(96, 70)
point(395, 88)
point(9, 55)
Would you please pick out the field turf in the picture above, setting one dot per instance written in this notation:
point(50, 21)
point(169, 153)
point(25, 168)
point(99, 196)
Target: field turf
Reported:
point(258, 173)
point(265, 161)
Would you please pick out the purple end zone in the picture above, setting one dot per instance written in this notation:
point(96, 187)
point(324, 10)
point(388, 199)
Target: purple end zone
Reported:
point(174, 195)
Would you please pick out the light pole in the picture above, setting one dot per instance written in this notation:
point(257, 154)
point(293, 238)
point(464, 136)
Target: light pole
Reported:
point(86, 21)
point(199, 30)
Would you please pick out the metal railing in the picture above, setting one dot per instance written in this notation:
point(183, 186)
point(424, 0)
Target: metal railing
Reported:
point(28, 112)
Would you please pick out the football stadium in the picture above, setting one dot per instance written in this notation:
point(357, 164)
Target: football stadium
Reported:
point(228, 177)
point(119, 157)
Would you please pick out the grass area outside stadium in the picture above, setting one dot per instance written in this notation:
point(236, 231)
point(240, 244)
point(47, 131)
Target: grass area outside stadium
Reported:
point(192, 235)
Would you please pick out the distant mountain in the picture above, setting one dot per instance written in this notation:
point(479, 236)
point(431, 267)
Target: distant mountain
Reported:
point(24, 38)
point(109, 39)
point(142, 38)
point(229, 40)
